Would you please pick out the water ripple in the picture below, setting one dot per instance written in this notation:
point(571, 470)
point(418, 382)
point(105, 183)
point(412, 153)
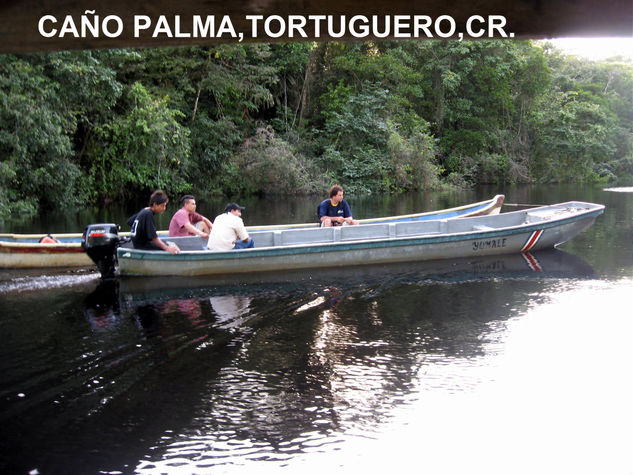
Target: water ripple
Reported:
point(12, 283)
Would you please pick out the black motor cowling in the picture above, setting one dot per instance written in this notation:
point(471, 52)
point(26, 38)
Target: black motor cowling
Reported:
point(100, 242)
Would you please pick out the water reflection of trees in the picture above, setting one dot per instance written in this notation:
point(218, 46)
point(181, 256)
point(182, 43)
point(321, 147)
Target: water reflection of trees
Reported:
point(353, 361)
point(333, 357)
point(219, 372)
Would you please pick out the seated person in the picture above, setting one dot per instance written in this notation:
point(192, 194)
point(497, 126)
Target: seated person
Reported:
point(143, 231)
point(49, 239)
point(186, 222)
point(335, 211)
point(228, 231)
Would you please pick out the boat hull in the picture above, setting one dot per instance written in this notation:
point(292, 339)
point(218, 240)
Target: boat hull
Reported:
point(35, 255)
point(386, 243)
point(548, 263)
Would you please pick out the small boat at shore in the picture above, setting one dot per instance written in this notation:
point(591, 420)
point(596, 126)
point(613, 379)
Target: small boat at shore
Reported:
point(535, 229)
point(26, 250)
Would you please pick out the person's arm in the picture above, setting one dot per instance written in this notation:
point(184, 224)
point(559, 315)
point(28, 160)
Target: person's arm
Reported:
point(323, 212)
point(173, 249)
point(241, 231)
point(347, 214)
point(197, 217)
point(195, 231)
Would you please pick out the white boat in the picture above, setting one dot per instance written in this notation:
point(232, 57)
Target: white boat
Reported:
point(291, 249)
point(26, 250)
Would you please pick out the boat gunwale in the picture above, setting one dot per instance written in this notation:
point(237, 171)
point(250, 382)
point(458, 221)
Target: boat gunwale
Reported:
point(310, 248)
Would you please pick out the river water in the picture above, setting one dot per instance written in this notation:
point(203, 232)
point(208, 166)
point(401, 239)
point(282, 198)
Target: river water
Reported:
point(493, 366)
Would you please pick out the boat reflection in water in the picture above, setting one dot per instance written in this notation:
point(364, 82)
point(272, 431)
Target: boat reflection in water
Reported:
point(549, 263)
point(214, 310)
point(210, 373)
point(229, 298)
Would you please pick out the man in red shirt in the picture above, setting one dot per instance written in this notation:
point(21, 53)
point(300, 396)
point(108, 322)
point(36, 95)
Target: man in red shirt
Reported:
point(186, 222)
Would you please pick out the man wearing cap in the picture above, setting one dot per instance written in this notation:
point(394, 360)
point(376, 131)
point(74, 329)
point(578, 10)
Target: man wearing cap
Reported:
point(228, 231)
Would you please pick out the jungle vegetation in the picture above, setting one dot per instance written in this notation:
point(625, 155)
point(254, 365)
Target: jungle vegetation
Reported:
point(290, 118)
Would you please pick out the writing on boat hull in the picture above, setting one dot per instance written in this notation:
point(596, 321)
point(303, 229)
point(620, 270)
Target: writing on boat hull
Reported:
point(489, 244)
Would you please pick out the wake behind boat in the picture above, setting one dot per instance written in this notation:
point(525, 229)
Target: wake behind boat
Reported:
point(292, 249)
point(26, 250)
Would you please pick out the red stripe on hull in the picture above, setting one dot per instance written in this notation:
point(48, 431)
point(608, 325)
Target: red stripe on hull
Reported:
point(532, 240)
point(532, 262)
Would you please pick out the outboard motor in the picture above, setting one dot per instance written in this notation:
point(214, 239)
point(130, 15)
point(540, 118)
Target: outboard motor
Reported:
point(100, 242)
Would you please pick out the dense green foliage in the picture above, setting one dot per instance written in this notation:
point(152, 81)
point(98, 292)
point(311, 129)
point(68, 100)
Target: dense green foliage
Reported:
point(95, 126)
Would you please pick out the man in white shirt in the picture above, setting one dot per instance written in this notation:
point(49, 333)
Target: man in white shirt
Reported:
point(228, 231)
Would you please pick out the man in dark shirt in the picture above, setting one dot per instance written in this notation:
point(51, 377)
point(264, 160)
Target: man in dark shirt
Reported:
point(143, 231)
point(335, 211)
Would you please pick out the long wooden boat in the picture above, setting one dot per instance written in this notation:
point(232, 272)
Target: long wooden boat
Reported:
point(291, 249)
point(25, 250)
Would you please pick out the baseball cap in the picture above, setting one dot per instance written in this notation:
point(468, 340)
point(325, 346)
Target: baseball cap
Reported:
point(232, 206)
